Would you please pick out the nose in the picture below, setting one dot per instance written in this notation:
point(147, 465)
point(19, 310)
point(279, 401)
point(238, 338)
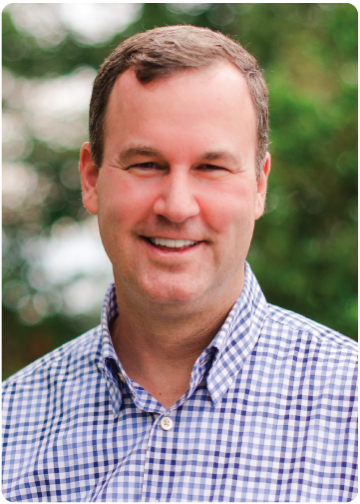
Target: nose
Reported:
point(176, 201)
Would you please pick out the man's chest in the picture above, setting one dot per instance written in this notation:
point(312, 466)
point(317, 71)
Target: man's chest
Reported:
point(258, 443)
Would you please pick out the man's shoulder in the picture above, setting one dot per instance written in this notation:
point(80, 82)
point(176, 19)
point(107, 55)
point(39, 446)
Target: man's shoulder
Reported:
point(65, 360)
point(319, 334)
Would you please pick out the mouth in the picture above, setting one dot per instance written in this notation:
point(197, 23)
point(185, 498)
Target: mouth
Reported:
point(167, 244)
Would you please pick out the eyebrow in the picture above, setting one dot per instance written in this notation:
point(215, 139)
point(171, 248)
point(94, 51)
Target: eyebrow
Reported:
point(127, 154)
point(131, 152)
point(214, 156)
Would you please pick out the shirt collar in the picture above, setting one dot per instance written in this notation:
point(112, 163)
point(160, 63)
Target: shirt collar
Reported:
point(237, 337)
point(220, 362)
point(109, 364)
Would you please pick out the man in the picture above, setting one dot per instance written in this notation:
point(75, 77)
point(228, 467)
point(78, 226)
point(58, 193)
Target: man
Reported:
point(193, 388)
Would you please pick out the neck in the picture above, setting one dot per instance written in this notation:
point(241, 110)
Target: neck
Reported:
point(158, 347)
point(160, 355)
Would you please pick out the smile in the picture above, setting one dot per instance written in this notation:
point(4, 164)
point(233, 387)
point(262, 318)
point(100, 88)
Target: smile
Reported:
point(171, 244)
point(165, 242)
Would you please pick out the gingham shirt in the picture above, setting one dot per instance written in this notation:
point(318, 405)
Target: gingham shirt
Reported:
point(270, 415)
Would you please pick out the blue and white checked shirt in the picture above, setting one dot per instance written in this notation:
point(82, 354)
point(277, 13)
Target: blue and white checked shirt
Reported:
point(270, 415)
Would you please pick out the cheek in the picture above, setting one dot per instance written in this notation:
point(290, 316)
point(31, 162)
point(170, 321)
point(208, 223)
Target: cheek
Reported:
point(121, 199)
point(230, 211)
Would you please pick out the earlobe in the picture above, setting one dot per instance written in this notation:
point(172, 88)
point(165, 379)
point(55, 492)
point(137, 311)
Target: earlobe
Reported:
point(89, 179)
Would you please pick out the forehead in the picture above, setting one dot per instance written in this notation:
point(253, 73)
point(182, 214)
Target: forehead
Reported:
point(198, 106)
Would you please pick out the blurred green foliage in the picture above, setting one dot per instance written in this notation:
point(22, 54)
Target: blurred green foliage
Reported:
point(304, 250)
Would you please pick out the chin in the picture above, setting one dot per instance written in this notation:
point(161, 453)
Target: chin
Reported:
point(170, 294)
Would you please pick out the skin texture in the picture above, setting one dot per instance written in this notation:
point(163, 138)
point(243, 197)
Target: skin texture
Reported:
point(179, 163)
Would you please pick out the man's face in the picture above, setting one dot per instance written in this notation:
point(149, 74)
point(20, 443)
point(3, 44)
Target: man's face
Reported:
point(177, 195)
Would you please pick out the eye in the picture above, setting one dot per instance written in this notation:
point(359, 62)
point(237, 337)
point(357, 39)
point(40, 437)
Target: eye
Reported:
point(144, 166)
point(210, 167)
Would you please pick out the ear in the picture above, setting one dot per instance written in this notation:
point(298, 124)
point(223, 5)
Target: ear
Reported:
point(262, 187)
point(89, 179)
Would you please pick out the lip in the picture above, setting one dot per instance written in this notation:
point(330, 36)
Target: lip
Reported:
point(166, 251)
point(170, 238)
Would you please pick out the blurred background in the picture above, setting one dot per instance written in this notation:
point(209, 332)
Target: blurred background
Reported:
point(304, 252)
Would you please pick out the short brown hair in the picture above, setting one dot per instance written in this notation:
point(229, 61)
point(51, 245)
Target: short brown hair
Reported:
point(160, 52)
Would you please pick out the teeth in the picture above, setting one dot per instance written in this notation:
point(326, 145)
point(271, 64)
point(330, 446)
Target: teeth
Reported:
point(164, 242)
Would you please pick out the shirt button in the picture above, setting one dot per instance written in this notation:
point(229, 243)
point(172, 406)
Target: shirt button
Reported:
point(166, 423)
